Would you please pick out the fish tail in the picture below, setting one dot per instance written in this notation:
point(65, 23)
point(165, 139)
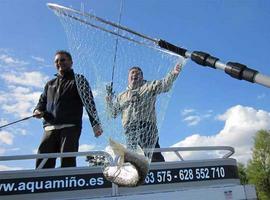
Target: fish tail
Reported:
point(117, 148)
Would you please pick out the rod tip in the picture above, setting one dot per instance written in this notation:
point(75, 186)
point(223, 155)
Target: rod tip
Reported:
point(53, 6)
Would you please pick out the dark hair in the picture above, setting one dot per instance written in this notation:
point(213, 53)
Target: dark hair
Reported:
point(135, 67)
point(64, 52)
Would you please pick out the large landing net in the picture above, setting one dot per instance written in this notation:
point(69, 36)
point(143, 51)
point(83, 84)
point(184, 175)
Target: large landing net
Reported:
point(133, 116)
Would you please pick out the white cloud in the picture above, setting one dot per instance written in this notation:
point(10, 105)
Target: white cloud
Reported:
point(4, 50)
point(110, 151)
point(96, 93)
point(192, 120)
point(35, 151)
point(85, 115)
point(19, 101)
point(187, 111)
point(3, 121)
point(86, 147)
point(2, 150)
point(39, 59)
point(192, 117)
point(19, 131)
point(7, 168)
point(34, 79)
point(21, 92)
point(261, 96)
point(6, 137)
point(8, 60)
point(241, 125)
point(22, 132)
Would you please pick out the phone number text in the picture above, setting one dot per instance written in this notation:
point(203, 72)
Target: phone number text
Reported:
point(185, 174)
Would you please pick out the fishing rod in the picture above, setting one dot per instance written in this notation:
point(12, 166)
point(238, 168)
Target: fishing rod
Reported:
point(109, 88)
point(234, 69)
point(23, 119)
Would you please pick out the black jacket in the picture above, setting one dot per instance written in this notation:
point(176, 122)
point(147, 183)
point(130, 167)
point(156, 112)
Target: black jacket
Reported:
point(61, 102)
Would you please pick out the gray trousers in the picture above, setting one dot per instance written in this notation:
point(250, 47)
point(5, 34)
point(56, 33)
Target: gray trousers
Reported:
point(59, 141)
point(144, 134)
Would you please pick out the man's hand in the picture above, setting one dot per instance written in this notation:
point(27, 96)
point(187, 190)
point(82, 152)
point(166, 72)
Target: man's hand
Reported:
point(177, 69)
point(109, 98)
point(97, 130)
point(38, 114)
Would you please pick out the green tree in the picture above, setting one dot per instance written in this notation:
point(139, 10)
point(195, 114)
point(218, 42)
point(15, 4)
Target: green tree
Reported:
point(242, 172)
point(258, 169)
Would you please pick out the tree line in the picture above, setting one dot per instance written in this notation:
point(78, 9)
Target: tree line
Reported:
point(257, 170)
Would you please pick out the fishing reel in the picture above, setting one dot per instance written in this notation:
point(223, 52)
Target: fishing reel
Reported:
point(96, 160)
point(109, 90)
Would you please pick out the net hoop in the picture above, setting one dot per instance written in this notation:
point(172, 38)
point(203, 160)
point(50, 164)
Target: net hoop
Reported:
point(152, 42)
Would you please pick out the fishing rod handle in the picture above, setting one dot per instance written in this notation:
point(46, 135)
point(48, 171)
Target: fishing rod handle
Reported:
point(170, 47)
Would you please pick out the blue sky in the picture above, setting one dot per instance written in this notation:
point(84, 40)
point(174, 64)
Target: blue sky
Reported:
point(207, 107)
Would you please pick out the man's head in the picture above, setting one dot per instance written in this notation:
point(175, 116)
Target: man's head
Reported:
point(135, 76)
point(63, 61)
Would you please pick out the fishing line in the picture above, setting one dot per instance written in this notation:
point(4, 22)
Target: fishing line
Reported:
point(109, 88)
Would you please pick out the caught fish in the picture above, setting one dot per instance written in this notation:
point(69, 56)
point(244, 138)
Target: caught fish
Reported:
point(131, 169)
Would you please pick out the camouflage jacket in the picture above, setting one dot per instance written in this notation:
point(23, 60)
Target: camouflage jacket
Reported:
point(139, 104)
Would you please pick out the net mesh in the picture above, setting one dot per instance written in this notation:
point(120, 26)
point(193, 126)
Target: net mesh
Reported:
point(131, 116)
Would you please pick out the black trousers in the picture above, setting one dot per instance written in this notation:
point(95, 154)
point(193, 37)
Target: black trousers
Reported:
point(59, 141)
point(157, 156)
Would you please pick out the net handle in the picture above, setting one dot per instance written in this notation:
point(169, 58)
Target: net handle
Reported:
point(202, 58)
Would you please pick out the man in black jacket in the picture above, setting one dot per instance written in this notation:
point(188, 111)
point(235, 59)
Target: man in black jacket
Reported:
point(61, 107)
